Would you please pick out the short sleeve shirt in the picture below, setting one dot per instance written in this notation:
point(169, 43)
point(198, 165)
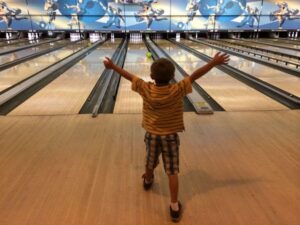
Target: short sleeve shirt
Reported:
point(162, 105)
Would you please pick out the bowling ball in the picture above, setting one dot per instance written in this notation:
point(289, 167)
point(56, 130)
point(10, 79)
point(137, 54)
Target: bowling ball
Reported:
point(90, 4)
point(42, 24)
point(148, 55)
point(180, 25)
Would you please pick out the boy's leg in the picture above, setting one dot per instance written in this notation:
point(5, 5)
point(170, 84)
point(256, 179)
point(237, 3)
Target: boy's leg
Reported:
point(173, 185)
point(170, 152)
point(153, 151)
point(148, 174)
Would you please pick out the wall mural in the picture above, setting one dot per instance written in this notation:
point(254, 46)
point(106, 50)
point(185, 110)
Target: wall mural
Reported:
point(159, 15)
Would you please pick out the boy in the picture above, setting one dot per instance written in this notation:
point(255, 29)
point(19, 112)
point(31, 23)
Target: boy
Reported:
point(163, 118)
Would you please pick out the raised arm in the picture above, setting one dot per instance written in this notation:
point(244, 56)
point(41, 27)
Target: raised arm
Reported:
point(217, 60)
point(110, 65)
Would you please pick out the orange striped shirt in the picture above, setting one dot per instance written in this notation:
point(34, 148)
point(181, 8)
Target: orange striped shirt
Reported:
point(162, 105)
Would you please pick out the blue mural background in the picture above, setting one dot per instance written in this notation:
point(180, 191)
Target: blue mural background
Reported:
point(147, 15)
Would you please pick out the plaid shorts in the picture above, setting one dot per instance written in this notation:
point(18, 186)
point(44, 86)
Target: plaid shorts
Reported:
point(168, 145)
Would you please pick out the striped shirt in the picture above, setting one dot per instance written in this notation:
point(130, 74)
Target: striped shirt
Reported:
point(162, 105)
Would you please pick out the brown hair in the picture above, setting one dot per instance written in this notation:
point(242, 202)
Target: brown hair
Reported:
point(162, 71)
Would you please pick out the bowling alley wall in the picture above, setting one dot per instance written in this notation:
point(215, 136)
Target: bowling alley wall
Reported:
point(149, 15)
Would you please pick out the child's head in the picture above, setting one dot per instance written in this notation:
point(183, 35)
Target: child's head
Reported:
point(162, 71)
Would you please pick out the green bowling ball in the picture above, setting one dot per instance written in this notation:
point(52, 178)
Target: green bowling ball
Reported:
point(148, 55)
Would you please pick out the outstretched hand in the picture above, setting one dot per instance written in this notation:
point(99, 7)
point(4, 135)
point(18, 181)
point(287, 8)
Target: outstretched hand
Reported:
point(108, 63)
point(220, 59)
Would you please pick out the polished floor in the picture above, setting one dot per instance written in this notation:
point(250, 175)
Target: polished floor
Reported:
point(68, 92)
point(236, 168)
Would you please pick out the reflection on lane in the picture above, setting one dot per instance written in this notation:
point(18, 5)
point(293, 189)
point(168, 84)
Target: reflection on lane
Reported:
point(14, 42)
point(137, 63)
point(19, 44)
point(280, 44)
point(24, 70)
point(268, 47)
point(67, 93)
point(230, 93)
point(275, 77)
point(20, 54)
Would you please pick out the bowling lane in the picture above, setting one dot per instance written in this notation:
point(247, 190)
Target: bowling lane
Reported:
point(275, 77)
point(283, 40)
point(23, 43)
point(230, 93)
point(137, 63)
point(17, 73)
point(263, 46)
point(14, 42)
point(20, 54)
point(67, 93)
point(19, 44)
point(279, 43)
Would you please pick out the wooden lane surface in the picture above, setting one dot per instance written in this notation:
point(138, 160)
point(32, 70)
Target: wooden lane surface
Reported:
point(19, 54)
point(280, 44)
point(276, 54)
point(236, 168)
point(286, 40)
point(19, 44)
point(67, 93)
point(14, 42)
point(230, 93)
point(17, 73)
point(262, 45)
point(270, 75)
point(137, 63)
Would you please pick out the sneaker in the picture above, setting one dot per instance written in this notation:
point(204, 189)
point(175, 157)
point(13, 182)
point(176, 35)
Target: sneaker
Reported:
point(176, 215)
point(147, 186)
